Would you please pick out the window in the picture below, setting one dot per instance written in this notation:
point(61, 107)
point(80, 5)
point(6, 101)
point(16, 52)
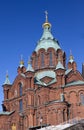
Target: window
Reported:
point(20, 89)
point(64, 115)
point(42, 59)
point(20, 105)
point(36, 63)
point(50, 60)
point(82, 98)
point(39, 100)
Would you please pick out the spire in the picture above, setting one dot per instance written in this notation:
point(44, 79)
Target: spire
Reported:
point(59, 65)
point(46, 16)
point(46, 24)
point(21, 62)
point(29, 68)
point(47, 40)
point(7, 79)
point(47, 31)
point(71, 58)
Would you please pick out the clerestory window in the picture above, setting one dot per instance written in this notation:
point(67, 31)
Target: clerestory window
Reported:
point(50, 59)
point(42, 59)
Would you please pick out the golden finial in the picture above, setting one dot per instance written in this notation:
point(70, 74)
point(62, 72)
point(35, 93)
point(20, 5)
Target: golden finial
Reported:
point(7, 74)
point(29, 60)
point(21, 61)
point(46, 24)
point(70, 52)
point(7, 79)
point(71, 56)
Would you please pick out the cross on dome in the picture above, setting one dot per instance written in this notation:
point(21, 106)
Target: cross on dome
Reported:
point(46, 24)
point(46, 16)
point(7, 81)
point(71, 58)
point(21, 61)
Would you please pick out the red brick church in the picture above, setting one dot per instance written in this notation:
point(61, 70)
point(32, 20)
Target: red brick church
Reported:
point(47, 92)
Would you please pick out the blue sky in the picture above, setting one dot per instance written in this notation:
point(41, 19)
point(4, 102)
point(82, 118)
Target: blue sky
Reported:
point(21, 27)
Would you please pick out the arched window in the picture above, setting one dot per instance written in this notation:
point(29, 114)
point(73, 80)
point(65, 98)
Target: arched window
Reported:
point(64, 115)
point(20, 89)
point(50, 59)
point(42, 59)
point(36, 63)
point(82, 98)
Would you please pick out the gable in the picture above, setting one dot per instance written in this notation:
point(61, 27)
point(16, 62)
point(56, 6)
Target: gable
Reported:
point(46, 79)
point(74, 76)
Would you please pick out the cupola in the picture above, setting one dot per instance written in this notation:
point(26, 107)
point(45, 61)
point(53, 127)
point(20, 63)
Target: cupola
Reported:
point(47, 40)
point(72, 63)
point(21, 68)
point(29, 67)
point(7, 81)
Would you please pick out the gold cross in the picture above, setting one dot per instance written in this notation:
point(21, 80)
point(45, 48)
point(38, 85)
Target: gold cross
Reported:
point(46, 15)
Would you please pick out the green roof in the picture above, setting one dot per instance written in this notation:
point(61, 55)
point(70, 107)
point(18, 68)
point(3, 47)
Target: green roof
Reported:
point(59, 66)
point(75, 83)
point(47, 41)
point(6, 113)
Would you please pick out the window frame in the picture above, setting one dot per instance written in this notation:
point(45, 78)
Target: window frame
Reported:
point(36, 62)
point(82, 98)
point(20, 89)
point(42, 60)
point(50, 59)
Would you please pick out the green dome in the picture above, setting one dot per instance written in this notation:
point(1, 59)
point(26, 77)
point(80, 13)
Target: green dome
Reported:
point(47, 40)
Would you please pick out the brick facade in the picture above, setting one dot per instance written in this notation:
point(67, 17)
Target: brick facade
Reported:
point(47, 92)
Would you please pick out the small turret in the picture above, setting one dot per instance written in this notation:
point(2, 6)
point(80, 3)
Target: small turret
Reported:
point(72, 63)
point(21, 68)
point(47, 40)
point(60, 72)
point(59, 65)
point(7, 81)
point(6, 87)
point(29, 67)
point(71, 58)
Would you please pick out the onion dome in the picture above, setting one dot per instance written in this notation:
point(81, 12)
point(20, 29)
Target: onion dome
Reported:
point(47, 40)
point(7, 81)
point(21, 62)
point(46, 24)
point(71, 58)
point(29, 67)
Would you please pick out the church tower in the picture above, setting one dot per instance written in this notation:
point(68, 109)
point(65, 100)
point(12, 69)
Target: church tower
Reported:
point(46, 92)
